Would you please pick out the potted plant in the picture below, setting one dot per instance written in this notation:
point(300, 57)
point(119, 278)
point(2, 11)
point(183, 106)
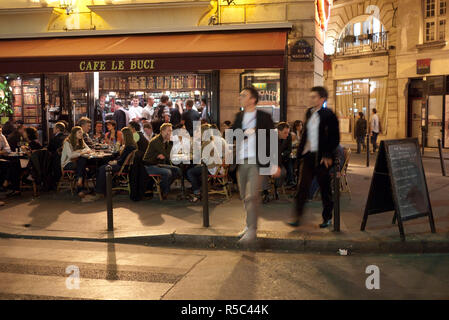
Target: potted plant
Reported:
point(5, 101)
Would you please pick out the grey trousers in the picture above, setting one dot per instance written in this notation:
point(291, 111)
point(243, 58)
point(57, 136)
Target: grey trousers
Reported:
point(249, 182)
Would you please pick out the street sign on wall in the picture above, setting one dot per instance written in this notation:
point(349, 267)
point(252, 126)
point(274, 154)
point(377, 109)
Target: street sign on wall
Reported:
point(301, 50)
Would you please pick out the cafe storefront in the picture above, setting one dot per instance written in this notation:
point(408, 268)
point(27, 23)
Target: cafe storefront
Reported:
point(60, 78)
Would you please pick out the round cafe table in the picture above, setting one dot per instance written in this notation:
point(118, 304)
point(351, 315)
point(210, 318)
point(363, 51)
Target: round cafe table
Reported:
point(96, 159)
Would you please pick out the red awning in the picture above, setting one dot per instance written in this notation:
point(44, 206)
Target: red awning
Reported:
point(195, 51)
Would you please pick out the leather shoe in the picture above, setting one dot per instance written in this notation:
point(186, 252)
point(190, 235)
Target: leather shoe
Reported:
point(242, 233)
point(249, 237)
point(13, 194)
point(326, 224)
point(293, 223)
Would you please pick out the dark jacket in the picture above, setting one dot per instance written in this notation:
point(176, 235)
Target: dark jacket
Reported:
point(285, 149)
point(188, 117)
point(40, 164)
point(56, 142)
point(360, 127)
point(120, 118)
point(13, 140)
point(100, 114)
point(329, 134)
point(263, 121)
point(142, 144)
point(175, 116)
point(138, 179)
point(125, 153)
point(155, 148)
point(34, 145)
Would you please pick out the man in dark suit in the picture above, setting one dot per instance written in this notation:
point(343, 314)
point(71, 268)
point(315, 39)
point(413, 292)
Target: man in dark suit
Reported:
point(249, 160)
point(317, 148)
point(120, 116)
point(56, 142)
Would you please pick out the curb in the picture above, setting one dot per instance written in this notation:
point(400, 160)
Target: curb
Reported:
point(265, 244)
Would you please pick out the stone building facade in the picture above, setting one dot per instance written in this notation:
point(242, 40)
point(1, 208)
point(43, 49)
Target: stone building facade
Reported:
point(403, 43)
point(33, 18)
point(361, 69)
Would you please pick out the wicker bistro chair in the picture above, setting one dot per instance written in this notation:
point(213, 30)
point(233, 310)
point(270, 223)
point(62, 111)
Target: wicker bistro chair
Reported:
point(344, 185)
point(157, 181)
point(67, 181)
point(220, 182)
point(121, 178)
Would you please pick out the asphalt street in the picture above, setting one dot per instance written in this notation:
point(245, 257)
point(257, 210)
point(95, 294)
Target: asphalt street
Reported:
point(44, 269)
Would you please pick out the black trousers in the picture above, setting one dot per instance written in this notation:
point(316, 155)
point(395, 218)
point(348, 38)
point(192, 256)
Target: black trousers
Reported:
point(311, 169)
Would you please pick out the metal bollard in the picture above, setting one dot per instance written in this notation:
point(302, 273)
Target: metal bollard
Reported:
point(440, 150)
point(367, 150)
point(109, 198)
point(423, 135)
point(205, 195)
point(337, 195)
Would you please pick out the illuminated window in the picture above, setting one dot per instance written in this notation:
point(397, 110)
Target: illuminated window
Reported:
point(435, 20)
point(430, 31)
point(442, 30)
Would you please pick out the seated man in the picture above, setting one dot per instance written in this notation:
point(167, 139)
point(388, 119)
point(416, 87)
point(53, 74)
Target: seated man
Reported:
point(284, 150)
point(85, 124)
point(56, 142)
point(157, 159)
point(214, 159)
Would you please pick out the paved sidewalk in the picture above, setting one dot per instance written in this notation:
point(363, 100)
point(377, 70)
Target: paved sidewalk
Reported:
point(179, 223)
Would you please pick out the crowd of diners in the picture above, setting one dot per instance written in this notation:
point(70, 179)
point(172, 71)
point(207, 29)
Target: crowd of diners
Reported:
point(146, 130)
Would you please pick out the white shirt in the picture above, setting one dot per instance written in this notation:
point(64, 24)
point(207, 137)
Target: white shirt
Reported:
point(313, 133)
point(248, 147)
point(135, 112)
point(68, 153)
point(375, 123)
point(4, 145)
point(147, 112)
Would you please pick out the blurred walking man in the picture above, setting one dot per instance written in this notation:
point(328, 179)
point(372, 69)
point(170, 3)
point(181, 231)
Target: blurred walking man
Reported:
point(319, 141)
point(250, 121)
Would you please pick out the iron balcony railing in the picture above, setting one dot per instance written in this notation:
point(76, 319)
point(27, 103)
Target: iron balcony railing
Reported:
point(362, 44)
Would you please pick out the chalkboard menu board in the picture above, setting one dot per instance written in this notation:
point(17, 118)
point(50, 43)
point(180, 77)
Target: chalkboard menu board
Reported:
point(399, 184)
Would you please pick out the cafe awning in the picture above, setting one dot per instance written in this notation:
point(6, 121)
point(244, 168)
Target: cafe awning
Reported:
point(182, 52)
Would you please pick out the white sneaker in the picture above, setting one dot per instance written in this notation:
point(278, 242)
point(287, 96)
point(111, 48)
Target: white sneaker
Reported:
point(249, 237)
point(242, 233)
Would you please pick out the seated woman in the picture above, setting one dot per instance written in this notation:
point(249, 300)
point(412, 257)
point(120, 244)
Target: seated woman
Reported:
point(98, 135)
point(72, 158)
point(113, 137)
point(130, 146)
point(32, 137)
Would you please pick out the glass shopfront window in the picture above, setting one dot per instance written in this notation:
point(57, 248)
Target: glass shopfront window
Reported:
point(268, 84)
point(360, 95)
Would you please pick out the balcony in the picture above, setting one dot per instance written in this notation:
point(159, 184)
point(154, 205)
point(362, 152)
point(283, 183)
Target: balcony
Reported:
point(363, 44)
